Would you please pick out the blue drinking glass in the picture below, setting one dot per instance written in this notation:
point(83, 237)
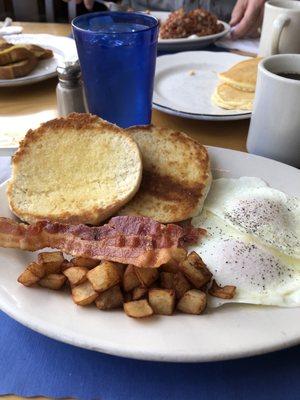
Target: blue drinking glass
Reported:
point(117, 54)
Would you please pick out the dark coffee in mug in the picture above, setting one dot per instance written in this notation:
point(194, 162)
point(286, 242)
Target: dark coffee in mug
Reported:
point(289, 75)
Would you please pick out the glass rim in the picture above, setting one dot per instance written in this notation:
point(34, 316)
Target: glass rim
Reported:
point(120, 13)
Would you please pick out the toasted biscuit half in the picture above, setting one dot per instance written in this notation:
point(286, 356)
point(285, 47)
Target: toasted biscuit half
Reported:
point(78, 169)
point(242, 75)
point(176, 175)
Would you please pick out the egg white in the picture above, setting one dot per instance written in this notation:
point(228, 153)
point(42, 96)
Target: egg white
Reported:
point(235, 259)
point(252, 242)
point(251, 206)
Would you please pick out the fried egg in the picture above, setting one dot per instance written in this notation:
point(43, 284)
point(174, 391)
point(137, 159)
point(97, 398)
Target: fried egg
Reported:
point(243, 246)
point(251, 206)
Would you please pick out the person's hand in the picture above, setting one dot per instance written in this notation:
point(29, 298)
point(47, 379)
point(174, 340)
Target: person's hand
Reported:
point(88, 3)
point(246, 18)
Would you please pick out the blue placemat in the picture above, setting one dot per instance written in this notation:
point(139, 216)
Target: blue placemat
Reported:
point(31, 364)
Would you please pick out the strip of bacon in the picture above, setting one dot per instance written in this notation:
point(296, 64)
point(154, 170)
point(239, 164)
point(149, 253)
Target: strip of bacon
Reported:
point(140, 241)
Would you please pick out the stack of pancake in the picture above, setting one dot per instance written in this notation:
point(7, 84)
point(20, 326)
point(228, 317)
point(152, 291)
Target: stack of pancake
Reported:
point(236, 88)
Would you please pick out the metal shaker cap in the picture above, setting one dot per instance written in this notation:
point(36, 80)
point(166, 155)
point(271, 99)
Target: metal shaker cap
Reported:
point(68, 70)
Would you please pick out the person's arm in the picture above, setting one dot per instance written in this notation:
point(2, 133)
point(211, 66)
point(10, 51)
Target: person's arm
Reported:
point(88, 3)
point(246, 18)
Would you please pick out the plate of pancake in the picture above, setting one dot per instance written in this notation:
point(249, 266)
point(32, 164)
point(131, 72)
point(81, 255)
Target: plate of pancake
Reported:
point(205, 85)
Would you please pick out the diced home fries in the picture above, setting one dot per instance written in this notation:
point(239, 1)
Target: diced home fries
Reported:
point(226, 292)
point(104, 276)
point(138, 309)
point(53, 281)
point(84, 294)
point(76, 275)
point(182, 284)
point(162, 301)
point(51, 261)
point(111, 298)
point(192, 302)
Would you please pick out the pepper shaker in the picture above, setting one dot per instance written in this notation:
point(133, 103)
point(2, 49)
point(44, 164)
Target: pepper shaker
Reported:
point(69, 90)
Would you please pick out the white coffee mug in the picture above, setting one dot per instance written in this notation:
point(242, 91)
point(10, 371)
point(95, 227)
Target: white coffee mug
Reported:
point(275, 124)
point(281, 28)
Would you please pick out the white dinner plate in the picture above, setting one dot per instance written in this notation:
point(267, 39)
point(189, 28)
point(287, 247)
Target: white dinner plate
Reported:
point(184, 83)
point(190, 43)
point(231, 331)
point(62, 47)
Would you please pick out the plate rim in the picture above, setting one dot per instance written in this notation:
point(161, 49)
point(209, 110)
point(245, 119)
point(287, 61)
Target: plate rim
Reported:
point(140, 354)
point(204, 117)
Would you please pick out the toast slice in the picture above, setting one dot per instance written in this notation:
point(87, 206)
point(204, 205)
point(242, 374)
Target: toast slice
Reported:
point(14, 54)
point(78, 169)
point(176, 175)
point(39, 52)
point(4, 44)
point(18, 69)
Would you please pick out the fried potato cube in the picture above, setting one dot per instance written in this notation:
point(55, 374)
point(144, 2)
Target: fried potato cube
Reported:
point(166, 280)
point(139, 293)
point(37, 269)
point(85, 262)
point(146, 276)
point(52, 261)
point(138, 309)
point(177, 281)
point(84, 294)
point(27, 278)
point(76, 275)
point(32, 274)
point(172, 265)
point(104, 276)
point(162, 301)
point(180, 284)
point(226, 292)
point(195, 270)
point(111, 298)
point(53, 281)
point(192, 302)
point(130, 280)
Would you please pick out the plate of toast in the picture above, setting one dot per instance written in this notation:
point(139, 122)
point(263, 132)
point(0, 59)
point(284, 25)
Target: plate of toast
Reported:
point(205, 85)
point(30, 58)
